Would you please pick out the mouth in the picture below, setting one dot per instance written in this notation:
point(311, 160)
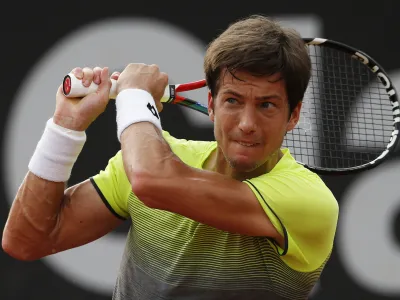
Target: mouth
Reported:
point(247, 144)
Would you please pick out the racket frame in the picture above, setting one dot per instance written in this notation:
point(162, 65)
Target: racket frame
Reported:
point(364, 58)
point(382, 75)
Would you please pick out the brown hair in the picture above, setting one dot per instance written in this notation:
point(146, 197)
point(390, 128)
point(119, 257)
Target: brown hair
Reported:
point(261, 47)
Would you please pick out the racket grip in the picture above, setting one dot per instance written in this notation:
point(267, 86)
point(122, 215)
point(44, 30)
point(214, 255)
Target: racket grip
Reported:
point(74, 88)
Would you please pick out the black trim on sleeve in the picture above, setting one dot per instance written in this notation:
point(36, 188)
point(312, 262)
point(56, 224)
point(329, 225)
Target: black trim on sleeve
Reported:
point(285, 236)
point(105, 200)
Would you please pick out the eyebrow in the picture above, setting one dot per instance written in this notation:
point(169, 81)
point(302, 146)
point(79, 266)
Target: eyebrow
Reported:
point(260, 98)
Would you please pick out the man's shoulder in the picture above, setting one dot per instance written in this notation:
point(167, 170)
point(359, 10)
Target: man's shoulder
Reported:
point(292, 178)
point(191, 152)
point(288, 166)
point(172, 140)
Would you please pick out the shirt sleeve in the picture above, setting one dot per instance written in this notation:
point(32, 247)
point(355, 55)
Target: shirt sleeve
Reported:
point(304, 211)
point(190, 152)
point(113, 186)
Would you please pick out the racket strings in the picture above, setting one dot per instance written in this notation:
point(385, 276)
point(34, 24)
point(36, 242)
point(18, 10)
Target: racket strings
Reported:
point(346, 117)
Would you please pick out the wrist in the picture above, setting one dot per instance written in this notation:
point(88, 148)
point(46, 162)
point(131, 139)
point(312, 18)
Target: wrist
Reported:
point(56, 152)
point(134, 106)
point(69, 123)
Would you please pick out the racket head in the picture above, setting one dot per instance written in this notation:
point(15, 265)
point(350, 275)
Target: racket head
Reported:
point(349, 120)
point(350, 116)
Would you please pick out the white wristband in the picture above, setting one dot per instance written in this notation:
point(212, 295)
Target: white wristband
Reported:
point(134, 106)
point(56, 152)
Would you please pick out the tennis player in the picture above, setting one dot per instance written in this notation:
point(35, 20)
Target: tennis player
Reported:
point(234, 218)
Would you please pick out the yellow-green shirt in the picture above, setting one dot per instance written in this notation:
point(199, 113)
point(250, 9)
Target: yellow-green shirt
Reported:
point(169, 256)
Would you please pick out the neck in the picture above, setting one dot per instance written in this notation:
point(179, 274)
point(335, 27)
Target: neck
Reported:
point(217, 162)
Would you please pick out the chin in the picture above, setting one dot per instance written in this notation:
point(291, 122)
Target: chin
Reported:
point(242, 166)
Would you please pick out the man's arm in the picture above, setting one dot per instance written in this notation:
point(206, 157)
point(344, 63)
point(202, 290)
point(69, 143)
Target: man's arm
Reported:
point(299, 213)
point(162, 181)
point(44, 219)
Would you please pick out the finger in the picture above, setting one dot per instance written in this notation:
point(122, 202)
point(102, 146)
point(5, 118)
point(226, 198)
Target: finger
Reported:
point(105, 82)
point(164, 78)
point(87, 76)
point(115, 75)
point(154, 68)
point(77, 72)
point(60, 90)
point(96, 75)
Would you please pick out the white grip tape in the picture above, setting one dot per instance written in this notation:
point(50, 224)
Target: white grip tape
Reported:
point(74, 88)
point(56, 152)
point(134, 106)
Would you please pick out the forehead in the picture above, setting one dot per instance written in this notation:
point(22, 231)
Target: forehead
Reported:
point(245, 82)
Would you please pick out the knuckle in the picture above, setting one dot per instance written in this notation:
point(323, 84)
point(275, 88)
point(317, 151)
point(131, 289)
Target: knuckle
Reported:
point(87, 72)
point(134, 65)
point(78, 72)
point(97, 75)
point(87, 76)
point(164, 78)
point(154, 68)
point(115, 75)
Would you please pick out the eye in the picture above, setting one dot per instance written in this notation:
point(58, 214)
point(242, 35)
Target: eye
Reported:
point(231, 100)
point(267, 104)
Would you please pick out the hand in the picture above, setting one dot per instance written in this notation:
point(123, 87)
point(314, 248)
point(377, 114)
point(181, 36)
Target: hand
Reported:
point(78, 113)
point(145, 77)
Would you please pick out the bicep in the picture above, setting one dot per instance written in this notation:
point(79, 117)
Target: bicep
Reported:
point(210, 198)
point(84, 217)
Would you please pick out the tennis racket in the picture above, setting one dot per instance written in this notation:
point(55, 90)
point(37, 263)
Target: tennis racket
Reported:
point(350, 115)
point(73, 87)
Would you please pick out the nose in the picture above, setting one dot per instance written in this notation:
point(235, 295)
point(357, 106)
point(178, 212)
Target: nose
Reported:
point(247, 122)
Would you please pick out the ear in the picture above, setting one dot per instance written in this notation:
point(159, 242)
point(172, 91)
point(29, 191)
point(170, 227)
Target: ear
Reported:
point(210, 106)
point(294, 117)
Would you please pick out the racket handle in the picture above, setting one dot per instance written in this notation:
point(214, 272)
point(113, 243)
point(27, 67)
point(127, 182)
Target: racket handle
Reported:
point(73, 88)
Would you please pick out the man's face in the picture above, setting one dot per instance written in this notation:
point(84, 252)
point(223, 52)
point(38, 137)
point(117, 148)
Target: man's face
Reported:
point(251, 118)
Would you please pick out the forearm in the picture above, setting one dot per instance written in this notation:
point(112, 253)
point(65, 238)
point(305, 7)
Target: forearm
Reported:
point(145, 151)
point(33, 216)
point(36, 209)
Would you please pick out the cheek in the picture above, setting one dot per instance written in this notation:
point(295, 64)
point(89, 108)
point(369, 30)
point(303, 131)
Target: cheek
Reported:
point(274, 132)
point(222, 125)
point(217, 130)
